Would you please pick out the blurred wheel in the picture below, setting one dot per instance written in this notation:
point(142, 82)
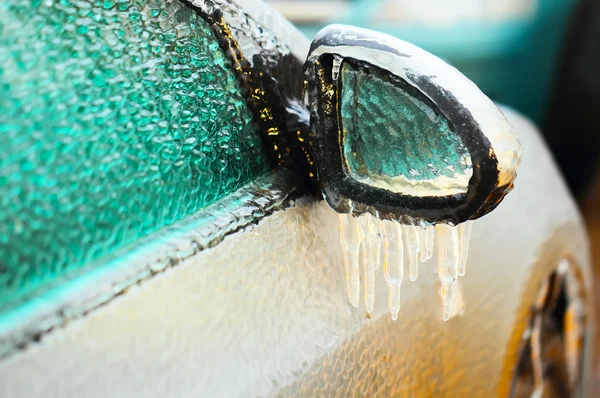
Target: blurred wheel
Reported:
point(551, 357)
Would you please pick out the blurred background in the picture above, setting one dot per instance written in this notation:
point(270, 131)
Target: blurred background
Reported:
point(540, 57)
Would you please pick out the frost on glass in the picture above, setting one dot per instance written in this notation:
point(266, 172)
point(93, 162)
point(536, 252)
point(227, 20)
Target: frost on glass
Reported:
point(118, 118)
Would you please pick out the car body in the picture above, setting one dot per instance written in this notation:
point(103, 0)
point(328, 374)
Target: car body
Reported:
point(247, 297)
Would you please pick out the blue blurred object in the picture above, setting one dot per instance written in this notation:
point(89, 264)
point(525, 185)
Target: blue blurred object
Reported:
point(513, 60)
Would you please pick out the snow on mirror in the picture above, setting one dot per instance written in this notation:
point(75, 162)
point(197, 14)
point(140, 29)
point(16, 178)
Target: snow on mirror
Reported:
point(408, 151)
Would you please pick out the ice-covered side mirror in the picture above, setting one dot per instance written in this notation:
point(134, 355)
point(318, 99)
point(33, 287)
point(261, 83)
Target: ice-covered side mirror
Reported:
point(399, 133)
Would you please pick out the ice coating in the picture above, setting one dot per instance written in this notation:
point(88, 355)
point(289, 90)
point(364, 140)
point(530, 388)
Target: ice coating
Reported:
point(368, 242)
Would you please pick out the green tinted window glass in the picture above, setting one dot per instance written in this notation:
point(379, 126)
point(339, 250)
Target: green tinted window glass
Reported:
point(117, 118)
point(397, 141)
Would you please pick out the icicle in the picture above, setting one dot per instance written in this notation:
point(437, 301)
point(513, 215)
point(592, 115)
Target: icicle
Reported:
point(393, 257)
point(363, 239)
point(371, 256)
point(448, 258)
point(351, 238)
point(422, 243)
point(429, 240)
point(458, 301)
point(464, 236)
point(411, 243)
point(374, 259)
point(376, 249)
point(368, 276)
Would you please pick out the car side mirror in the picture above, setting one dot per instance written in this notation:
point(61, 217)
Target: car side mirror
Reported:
point(398, 133)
